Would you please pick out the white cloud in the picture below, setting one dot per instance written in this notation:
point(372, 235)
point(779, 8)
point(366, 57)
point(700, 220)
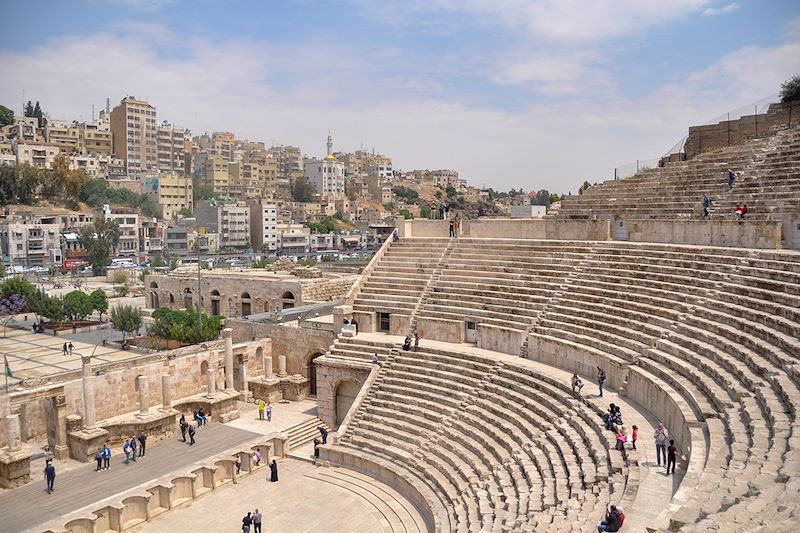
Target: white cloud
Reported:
point(724, 10)
point(293, 95)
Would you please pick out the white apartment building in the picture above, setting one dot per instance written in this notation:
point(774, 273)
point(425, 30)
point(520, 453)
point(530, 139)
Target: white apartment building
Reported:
point(171, 192)
point(37, 155)
point(171, 148)
point(30, 244)
point(230, 220)
point(444, 178)
point(135, 133)
point(326, 175)
point(129, 228)
point(263, 226)
point(293, 239)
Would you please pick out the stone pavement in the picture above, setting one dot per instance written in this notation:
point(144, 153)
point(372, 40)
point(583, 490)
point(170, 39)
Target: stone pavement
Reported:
point(32, 355)
point(84, 486)
point(655, 487)
point(296, 503)
point(284, 416)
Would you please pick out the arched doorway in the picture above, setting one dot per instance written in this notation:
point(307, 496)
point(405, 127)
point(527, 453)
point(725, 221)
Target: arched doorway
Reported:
point(346, 393)
point(288, 300)
point(215, 302)
point(311, 372)
point(245, 303)
point(171, 299)
point(203, 371)
point(154, 295)
point(187, 298)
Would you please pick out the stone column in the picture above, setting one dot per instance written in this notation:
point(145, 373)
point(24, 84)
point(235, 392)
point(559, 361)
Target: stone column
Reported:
point(227, 335)
point(282, 366)
point(166, 391)
point(13, 431)
point(243, 377)
point(88, 393)
point(267, 366)
point(211, 381)
point(143, 403)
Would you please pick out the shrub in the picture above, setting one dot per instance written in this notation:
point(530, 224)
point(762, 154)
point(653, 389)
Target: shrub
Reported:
point(790, 89)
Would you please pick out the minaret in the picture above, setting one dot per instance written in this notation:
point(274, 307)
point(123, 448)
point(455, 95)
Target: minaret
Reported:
point(330, 144)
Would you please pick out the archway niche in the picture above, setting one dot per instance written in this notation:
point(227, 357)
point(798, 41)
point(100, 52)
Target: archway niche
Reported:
point(345, 395)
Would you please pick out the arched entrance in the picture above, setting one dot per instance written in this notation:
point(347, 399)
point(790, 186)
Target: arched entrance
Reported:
point(346, 393)
point(245, 304)
point(154, 295)
point(288, 300)
point(215, 302)
point(311, 372)
point(187, 298)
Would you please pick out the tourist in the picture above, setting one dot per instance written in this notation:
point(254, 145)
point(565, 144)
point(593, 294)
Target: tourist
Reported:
point(246, 522)
point(257, 457)
point(71, 347)
point(268, 410)
point(106, 456)
point(324, 433)
point(731, 179)
point(707, 200)
point(672, 453)
point(142, 443)
point(612, 521)
point(577, 384)
point(261, 406)
point(407, 343)
point(452, 228)
point(416, 341)
point(191, 434)
point(256, 522)
point(182, 424)
point(50, 476)
point(99, 458)
point(741, 211)
point(355, 325)
point(127, 449)
point(634, 436)
point(238, 463)
point(273, 471)
point(375, 359)
point(133, 448)
point(65, 349)
point(621, 437)
point(201, 418)
point(456, 223)
point(601, 379)
point(317, 442)
point(661, 437)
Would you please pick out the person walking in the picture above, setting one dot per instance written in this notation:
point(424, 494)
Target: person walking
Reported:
point(182, 424)
point(191, 435)
point(452, 228)
point(317, 442)
point(257, 522)
point(257, 457)
point(71, 347)
point(106, 457)
point(261, 406)
point(601, 379)
point(731, 179)
point(707, 200)
point(50, 476)
point(238, 464)
point(142, 443)
point(661, 437)
point(246, 522)
point(127, 449)
point(672, 453)
point(133, 448)
point(324, 433)
point(99, 458)
point(634, 436)
point(273, 471)
point(416, 341)
point(268, 410)
point(65, 349)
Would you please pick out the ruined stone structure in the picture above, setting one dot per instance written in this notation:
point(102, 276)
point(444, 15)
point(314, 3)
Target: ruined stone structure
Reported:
point(234, 293)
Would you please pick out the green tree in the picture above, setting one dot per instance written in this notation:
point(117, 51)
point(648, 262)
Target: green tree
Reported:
point(77, 305)
point(185, 212)
point(451, 191)
point(99, 240)
point(53, 308)
point(425, 211)
point(585, 186)
point(17, 285)
point(302, 190)
point(790, 89)
point(157, 260)
point(202, 192)
point(389, 206)
point(6, 116)
point(325, 225)
point(555, 198)
point(126, 318)
point(542, 198)
point(182, 325)
point(405, 213)
point(99, 301)
point(28, 112)
point(95, 192)
point(63, 182)
point(39, 114)
point(409, 195)
point(19, 183)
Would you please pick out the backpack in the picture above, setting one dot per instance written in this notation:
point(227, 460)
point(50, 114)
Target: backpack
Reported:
point(127, 446)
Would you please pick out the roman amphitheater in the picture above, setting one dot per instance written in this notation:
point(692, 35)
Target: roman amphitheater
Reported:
point(695, 322)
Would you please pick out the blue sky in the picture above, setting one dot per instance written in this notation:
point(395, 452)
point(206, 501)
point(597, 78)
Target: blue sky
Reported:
point(532, 94)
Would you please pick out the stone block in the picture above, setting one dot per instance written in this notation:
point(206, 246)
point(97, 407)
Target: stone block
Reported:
point(15, 467)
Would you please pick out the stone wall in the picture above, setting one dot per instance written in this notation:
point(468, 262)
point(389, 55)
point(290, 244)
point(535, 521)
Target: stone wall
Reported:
point(297, 344)
point(329, 376)
point(750, 234)
point(507, 228)
point(728, 133)
point(326, 290)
